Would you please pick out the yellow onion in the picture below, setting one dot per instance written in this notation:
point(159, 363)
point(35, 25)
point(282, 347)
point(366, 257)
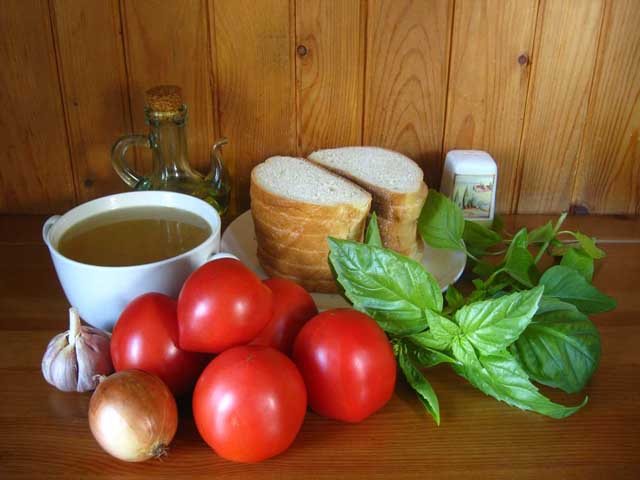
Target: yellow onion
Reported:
point(133, 415)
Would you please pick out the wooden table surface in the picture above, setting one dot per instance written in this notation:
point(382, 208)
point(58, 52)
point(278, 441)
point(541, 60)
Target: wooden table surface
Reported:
point(45, 432)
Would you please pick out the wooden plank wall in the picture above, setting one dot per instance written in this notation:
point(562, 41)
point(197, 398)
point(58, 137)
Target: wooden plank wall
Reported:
point(550, 87)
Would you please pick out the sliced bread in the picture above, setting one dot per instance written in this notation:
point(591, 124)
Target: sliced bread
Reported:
point(396, 184)
point(300, 187)
point(389, 176)
point(297, 206)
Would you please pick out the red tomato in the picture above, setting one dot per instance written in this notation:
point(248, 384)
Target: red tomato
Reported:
point(292, 308)
point(146, 337)
point(249, 403)
point(222, 304)
point(347, 364)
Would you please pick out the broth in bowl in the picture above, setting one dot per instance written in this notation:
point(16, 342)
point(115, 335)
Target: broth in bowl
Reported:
point(133, 236)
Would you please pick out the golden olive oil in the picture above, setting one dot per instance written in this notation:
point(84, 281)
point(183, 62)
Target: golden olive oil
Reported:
point(133, 236)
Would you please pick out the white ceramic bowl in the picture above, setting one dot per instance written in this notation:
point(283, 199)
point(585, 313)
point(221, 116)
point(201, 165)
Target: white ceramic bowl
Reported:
point(101, 293)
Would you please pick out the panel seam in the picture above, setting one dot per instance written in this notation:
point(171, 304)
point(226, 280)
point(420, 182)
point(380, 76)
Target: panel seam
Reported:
point(62, 89)
point(590, 100)
point(446, 93)
point(364, 25)
point(127, 71)
point(517, 182)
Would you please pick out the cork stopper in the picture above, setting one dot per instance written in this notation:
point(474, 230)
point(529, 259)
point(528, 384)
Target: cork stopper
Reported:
point(164, 98)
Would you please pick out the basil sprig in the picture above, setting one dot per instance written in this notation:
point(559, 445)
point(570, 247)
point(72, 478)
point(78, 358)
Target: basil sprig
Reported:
point(520, 325)
point(394, 290)
point(560, 347)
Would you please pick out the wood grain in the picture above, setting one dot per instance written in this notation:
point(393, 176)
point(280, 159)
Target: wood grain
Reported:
point(406, 79)
point(94, 92)
point(478, 438)
point(374, 71)
point(330, 74)
point(36, 174)
point(488, 85)
point(168, 43)
point(609, 169)
point(566, 44)
point(255, 68)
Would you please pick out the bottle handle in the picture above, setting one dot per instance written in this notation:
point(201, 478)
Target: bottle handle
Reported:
point(120, 165)
point(218, 173)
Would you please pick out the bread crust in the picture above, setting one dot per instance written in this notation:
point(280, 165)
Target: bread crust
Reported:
point(320, 270)
point(318, 286)
point(300, 238)
point(278, 218)
point(407, 210)
point(400, 236)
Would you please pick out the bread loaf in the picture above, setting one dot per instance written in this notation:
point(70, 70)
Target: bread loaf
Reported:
point(396, 185)
point(295, 206)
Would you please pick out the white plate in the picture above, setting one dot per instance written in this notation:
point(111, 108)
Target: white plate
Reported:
point(239, 239)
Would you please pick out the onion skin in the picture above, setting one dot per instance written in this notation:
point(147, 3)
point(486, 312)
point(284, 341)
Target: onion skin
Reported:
point(133, 415)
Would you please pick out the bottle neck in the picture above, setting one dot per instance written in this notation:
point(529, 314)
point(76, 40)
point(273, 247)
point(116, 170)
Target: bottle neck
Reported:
point(168, 137)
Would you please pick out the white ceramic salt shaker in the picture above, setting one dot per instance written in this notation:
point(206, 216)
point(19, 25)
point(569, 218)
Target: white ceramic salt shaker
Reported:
point(470, 178)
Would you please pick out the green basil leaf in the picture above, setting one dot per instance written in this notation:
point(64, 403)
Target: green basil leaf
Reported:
point(420, 384)
point(427, 340)
point(479, 236)
point(589, 246)
point(372, 235)
point(550, 304)
point(454, 298)
point(395, 290)
point(568, 285)
point(580, 261)
point(463, 351)
point(542, 234)
point(561, 249)
point(426, 357)
point(476, 295)
point(478, 283)
point(484, 269)
point(520, 265)
point(441, 329)
point(493, 325)
point(520, 239)
point(497, 290)
point(559, 348)
point(441, 223)
point(501, 376)
point(518, 262)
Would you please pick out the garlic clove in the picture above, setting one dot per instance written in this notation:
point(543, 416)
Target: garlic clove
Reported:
point(94, 358)
point(73, 358)
point(60, 366)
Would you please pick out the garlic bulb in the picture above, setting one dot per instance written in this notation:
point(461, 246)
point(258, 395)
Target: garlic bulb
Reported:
point(75, 357)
